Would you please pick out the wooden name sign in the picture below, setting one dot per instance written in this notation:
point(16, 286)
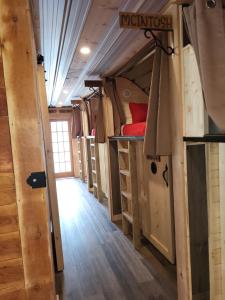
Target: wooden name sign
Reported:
point(144, 21)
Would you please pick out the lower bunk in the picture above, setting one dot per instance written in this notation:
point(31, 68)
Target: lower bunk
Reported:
point(141, 194)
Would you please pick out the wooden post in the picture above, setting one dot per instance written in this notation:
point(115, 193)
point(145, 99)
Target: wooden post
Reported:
point(50, 169)
point(19, 64)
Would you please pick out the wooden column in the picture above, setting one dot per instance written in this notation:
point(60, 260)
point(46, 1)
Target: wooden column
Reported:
point(50, 169)
point(19, 64)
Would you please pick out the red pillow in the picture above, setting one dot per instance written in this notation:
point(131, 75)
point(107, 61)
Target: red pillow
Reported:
point(138, 112)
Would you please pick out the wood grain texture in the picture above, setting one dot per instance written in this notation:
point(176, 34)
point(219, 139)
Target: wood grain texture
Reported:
point(6, 164)
point(7, 196)
point(10, 247)
point(8, 218)
point(7, 181)
point(198, 220)
point(52, 194)
point(16, 37)
point(13, 294)
point(195, 119)
point(101, 263)
point(11, 274)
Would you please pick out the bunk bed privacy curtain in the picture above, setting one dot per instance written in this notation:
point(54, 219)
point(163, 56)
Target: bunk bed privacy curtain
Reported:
point(110, 90)
point(157, 139)
point(206, 27)
point(76, 123)
point(100, 132)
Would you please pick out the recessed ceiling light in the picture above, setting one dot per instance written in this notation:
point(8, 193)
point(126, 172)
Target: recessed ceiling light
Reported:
point(65, 92)
point(85, 50)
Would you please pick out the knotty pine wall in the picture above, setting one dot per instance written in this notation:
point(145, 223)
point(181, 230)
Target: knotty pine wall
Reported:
point(12, 283)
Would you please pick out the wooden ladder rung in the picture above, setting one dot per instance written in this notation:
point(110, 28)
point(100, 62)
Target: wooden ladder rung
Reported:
point(126, 194)
point(125, 172)
point(123, 150)
point(128, 217)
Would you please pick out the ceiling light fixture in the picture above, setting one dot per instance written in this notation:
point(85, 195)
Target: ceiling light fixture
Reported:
point(85, 50)
point(65, 92)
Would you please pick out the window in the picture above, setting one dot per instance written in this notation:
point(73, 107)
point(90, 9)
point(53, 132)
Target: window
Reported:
point(61, 147)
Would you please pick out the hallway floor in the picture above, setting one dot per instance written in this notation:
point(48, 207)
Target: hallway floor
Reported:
point(100, 262)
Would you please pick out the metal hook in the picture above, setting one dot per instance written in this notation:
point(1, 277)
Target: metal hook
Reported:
point(158, 42)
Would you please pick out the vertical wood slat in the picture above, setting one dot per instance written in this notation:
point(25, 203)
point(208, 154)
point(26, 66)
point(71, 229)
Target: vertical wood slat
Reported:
point(198, 220)
point(216, 217)
point(50, 169)
point(19, 62)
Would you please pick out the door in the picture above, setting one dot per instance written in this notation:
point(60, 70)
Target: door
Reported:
point(61, 144)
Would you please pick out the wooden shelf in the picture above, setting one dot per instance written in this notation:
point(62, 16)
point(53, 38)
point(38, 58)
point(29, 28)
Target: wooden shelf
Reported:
point(128, 217)
point(125, 172)
point(123, 150)
point(126, 194)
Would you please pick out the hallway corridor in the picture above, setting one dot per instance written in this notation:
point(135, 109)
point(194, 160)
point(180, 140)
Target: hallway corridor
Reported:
point(100, 262)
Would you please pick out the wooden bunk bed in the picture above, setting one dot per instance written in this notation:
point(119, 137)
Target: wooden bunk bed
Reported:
point(141, 192)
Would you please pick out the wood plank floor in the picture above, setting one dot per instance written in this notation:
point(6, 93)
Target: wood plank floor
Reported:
point(100, 262)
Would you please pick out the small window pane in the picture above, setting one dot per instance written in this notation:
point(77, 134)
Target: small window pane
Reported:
point(55, 147)
point(61, 148)
point(57, 169)
point(60, 137)
point(54, 137)
point(65, 126)
point(67, 146)
point(59, 126)
point(53, 126)
point(56, 157)
point(65, 136)
point(62, 167)
point(68, 167)
point(61, 157)
point(67, 156)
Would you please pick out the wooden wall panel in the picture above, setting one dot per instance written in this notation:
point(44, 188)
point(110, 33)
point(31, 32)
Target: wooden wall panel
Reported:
point(5, 146)
point(7, 196)
point(10, 246)
point(11, 269)
point(8, 218)
point(13, 294)
point(7, 181)
point(11, 274)
point(19, 62)
point(3, 104)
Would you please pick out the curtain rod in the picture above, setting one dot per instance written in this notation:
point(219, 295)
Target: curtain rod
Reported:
point(209, 3)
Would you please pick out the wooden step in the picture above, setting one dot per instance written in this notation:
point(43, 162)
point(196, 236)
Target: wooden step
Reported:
point(125, 172)
point(128, 217)
point(126, 194)
point(123, 150)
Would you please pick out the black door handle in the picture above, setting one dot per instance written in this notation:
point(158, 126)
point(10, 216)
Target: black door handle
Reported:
point(164, 175)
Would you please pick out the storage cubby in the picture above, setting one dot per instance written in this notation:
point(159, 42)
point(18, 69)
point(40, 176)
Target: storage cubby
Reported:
point(128, 190)
point(94, 167)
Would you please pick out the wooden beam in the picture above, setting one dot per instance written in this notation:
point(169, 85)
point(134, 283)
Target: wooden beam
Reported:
point(50, 169)
point(19, 65)
point(93, 83)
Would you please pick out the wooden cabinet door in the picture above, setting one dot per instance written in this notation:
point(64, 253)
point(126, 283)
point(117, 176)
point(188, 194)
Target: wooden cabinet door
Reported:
point(161, 229)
